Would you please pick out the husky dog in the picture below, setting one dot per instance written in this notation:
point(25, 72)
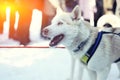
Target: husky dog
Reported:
point(80, 38)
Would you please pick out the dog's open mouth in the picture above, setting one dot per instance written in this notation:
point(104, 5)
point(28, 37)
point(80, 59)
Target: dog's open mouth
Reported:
point(56, 40)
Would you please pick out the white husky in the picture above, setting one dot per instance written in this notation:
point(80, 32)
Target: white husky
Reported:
point(79, 37)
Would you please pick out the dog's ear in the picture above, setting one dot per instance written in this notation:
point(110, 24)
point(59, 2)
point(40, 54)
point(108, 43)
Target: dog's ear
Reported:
point(76, 13)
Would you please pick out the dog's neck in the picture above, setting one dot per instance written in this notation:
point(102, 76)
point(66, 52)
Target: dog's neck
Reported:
point(81, 45)
point(85, 44)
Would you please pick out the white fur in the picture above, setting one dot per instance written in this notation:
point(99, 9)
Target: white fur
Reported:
point(108, 18)
point(76, 31)
point(117, 13)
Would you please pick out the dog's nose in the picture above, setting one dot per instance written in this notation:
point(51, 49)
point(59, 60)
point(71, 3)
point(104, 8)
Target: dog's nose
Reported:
point(45, 32)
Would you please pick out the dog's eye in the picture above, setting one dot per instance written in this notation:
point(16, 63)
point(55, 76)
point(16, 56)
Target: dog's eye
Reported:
point(60, 23)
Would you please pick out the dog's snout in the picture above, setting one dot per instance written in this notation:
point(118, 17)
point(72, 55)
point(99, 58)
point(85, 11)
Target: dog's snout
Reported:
point(45, 31)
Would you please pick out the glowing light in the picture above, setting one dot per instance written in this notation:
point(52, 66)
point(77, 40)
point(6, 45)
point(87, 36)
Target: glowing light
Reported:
point(11, 6)
point(35, 26)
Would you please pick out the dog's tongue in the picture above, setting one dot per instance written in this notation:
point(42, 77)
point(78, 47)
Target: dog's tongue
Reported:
point(56, 40)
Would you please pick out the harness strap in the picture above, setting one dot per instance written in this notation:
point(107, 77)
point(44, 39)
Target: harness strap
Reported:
point(117, 60)
point(85, 59)
point(80, 45)
point(111, 33)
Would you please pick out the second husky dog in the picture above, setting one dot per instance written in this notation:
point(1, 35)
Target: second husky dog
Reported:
point(95, 50)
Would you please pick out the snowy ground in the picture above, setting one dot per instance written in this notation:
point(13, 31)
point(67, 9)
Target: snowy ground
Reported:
point(37, 63)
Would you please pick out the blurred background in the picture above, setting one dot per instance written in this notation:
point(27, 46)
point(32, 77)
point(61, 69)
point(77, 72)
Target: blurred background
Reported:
point(20, 20)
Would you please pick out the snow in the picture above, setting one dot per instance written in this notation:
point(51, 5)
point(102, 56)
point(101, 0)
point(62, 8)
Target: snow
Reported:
point(33, 64)
point(37, 63)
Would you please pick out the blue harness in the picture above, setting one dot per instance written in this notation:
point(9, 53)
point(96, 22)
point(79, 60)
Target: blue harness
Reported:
point(85, 59)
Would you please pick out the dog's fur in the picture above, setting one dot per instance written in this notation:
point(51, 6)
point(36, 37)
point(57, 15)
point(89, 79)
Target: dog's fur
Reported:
point(117, 12)
point(109, 17)
point(72, 31)
point(108, 21)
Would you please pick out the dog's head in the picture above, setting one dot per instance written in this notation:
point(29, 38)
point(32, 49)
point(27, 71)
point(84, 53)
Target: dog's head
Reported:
point(64, 27)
